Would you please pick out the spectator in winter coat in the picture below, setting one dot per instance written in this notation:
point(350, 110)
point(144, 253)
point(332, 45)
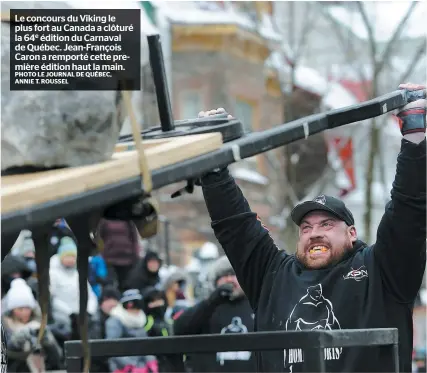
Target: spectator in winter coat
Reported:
point(24, 248)
point(109, 299)
point(64, 288)
point(21, 322)
point(154, 306)
point(118, 241)
point(12, 267)
point(419, 360)
point(226, 310)
point(175, 288)
point(98, 274)
point(127, 320)
point(146, 272)
point(59, 230)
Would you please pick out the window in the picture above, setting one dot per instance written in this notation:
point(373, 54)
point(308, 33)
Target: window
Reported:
point(244, 111)
point(191, 104)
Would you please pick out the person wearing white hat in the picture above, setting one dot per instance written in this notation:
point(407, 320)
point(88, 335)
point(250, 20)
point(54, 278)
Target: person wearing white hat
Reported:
point(64, 290)
point(21, 321)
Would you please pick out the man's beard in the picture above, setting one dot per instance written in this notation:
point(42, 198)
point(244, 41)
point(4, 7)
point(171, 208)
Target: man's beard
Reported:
point(237, 293)
point(335, 256)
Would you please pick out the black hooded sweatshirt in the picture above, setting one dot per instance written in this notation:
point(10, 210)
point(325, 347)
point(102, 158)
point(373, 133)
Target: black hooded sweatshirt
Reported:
point(140, 277)
point(372, 287)
point(208, 317)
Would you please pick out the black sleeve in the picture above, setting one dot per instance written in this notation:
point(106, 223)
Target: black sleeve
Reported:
point(246, 242)
point(194, 320)
point(400, 249)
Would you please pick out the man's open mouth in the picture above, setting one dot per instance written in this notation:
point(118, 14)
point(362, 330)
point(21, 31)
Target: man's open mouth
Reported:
point(318, 249)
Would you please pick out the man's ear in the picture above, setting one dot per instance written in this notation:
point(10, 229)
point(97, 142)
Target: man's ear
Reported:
point(353, 233)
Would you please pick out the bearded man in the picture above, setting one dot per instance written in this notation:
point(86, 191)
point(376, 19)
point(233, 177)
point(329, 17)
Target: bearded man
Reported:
point(335, 281)
point(225, 311)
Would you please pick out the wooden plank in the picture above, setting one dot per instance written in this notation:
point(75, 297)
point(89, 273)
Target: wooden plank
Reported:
point(24, 191)
point(17, 179)
point(130, 145)
point(125, 147)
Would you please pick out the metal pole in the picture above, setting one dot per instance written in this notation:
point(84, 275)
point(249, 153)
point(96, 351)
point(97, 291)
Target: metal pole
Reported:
point(166, 237)
point(160, 82)
point(396, 357)
point(167, 241)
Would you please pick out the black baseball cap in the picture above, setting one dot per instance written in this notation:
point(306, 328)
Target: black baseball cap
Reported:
point(329, 204)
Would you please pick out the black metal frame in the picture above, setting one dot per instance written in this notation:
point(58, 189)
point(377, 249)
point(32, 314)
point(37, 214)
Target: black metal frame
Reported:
point(245, 147)
point(312, 342)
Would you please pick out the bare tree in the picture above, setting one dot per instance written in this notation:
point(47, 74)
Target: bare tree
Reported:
point(296, 105)
point(378, 62)
point(419, 53)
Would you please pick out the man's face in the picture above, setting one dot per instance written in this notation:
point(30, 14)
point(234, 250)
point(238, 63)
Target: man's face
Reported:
point(323, 240)
point(229, 279)
point(153, 265)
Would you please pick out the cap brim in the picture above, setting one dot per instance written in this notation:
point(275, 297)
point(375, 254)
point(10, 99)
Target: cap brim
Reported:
point(304, 208)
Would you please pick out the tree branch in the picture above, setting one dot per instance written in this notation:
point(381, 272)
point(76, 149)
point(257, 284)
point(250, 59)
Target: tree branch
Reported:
point(307, 27)
point(387, 52)
point(411, 66)
point(347, 52)
point(275, 165)
point(371, 36)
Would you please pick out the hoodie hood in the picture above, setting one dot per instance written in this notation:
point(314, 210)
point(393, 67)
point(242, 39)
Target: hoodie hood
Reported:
point(24, 244)
point(150, 255)
point(151, 276)
point(222, 267)
point(15, 264)
point(178, 275)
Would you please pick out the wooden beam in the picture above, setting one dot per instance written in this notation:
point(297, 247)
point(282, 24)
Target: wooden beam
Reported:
point(23, 191)
point(130, 145)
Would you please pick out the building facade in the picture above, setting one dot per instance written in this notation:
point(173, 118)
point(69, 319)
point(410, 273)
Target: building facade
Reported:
point(217, 58)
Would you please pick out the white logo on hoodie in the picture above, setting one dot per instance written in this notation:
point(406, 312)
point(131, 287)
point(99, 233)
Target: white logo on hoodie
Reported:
point(236, 326)
point(312, 312)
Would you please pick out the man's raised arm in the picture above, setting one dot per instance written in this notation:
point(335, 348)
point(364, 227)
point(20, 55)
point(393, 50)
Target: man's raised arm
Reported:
point(246, 242)
point(400, 248)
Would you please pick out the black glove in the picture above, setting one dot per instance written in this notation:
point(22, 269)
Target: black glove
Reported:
point(222, 293)
point(412, 117)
